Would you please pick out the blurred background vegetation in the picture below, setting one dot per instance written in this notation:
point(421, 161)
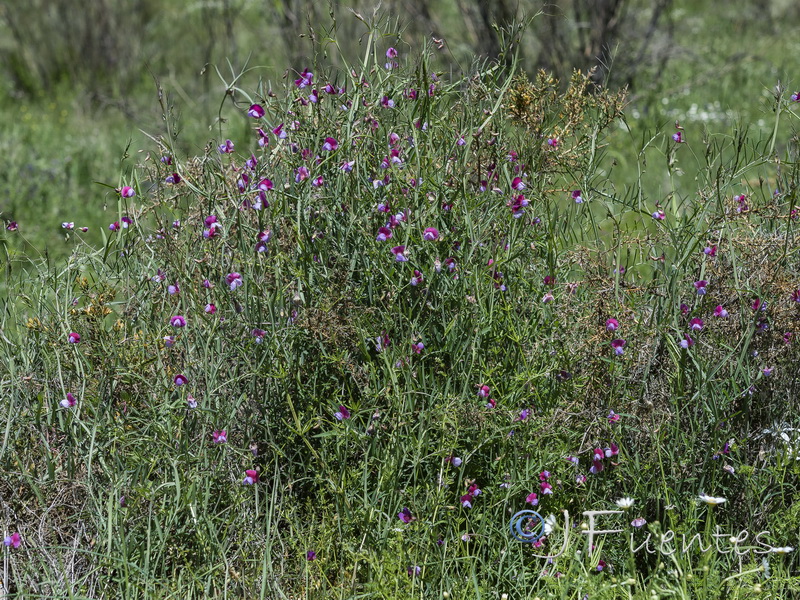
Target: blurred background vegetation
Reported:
point(78, 87)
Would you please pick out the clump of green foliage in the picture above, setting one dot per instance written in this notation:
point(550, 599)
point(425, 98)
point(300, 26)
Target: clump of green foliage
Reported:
point(387, 306)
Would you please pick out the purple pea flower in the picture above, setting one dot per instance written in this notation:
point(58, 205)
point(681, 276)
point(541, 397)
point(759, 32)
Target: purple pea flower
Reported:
point(400, 253)
point(576, 196)
point(14, 540)
point(619, 346)
point(311, 555)
point(226, 148)
point(696, 324)
point(74, 338)
point(180, 380)
point(256, 111)
point(234, 280)
point(700, 286)
point(220, 436)
point(720, 312)
point(430, 234)
point(251, 477)
point(342, 413)
point(612, 324)
point(127, 192)
point(178, 321)
point(687, 342)
point(405, 516)
point(69, 401)
point(330, 144)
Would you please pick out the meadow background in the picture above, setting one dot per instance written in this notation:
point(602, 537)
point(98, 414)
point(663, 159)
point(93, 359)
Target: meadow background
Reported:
point(370, 447)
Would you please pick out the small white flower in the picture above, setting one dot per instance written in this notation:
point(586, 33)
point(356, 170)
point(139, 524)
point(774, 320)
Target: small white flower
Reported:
point(712, 500)
point(624, 503)
point(549, 524)
point(783, 550)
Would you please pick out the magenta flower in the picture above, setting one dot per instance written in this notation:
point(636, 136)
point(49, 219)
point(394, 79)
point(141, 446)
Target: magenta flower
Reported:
point(210, 309)
point(220, 436)
point(796, 295)
point(114, 226)
point(611, 450)
point(399, 253)
point(74, 338)
point(710, 251)
point(619, 346)
point(418, 347)
point(69, 401)
point(311, 555)
point(677, 137)
point(177, 321)
point(342, 413)
point(127, 192)
point(597, 467)
point(387, 102)
point(453, 460)
point(552, 142)
point(414, 570)
point(686, 342)
point(430, 234)
point(517, 184)
point(234, 280)
point(613, 417)
point(417, 278)
point(546, 488)
point(251, 477)
point(639, 522)
point(759, 304)
point(68, 225)
point(612, 324)
point(330, 144)
point(532, 499)
point(169, 341)
point(173, 289)
point(466, 500)
point(256, 111)
point(12, 226)
point(484, 391)
point(301, 174)
point(576, 196)
point(659, 215)
point(391, 53)
point(191, 402)
point(700, 286)
point(720, 312)
point(14, 540)
point(696, 324)
point(180, 380)
point(405, 516)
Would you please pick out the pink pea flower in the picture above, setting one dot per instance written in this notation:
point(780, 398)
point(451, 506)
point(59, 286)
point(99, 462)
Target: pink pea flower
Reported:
point(258, 334)
point(279, 132)
point(399, 253)
point(251, 477)
point(546, 488)
point(311, 555)
point(710, 251)
point(180, 380)
point(687, 342)
point(796, 295)
point(466, 500)
point(430, 234)
point(611, 450)
point(639, 522)
point(720, 312)
point(405, 516)
point(598, 454)
point(573, 459)
point(517, 184)
point(74, 338)
point(342, 413)
point(532, 499)
point(69, 401)
point(387, 102)
point(414, 570)
point(330, 144)
point(759, 304)
point(220, 436)
point(169, 341)
point(265, 185)
point(14, 540)
point(347, 166)
point(659, 215)
point(700, 286)
point(612, 324)
point(68, 225)
point(418, 347)
point(552, 142)
point(417, 278)
point(191, 402)
point(548, 297)
point(127, 192)
point(613, 417)
point(178, 321)
point(696, 324)
point(301, 174)
point(173, 289)
point(684, 309)
point(391, 53)
point(677, 137)
point(576, 196)
point(318, 181)
point(597, 467)
point(619, 346)
point(484, 391)
point(114, 226)
point(234, 280)
point(454, 460)
point(210, 309)
point(256, 111)
point(491, 403)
